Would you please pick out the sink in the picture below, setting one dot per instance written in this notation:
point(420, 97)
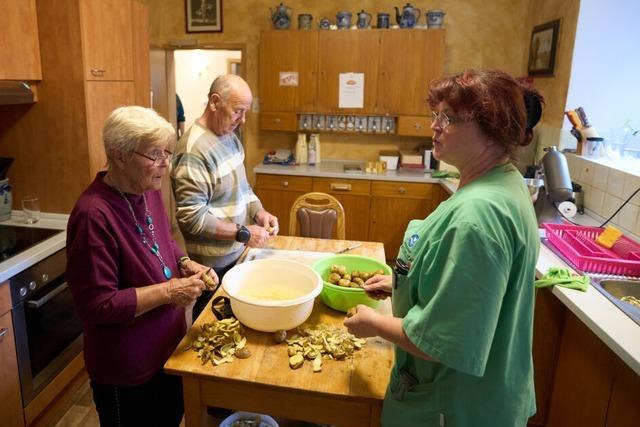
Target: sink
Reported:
point(614, 290)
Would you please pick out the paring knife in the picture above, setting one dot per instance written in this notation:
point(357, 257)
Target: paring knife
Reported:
point(357, 245)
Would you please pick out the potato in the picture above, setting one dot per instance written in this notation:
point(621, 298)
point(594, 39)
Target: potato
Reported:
point(346, 276)
point(342, 270)
point(344, 282)
point(334, 277)
point(334, 268)
point(355, 273)
point(359, 281)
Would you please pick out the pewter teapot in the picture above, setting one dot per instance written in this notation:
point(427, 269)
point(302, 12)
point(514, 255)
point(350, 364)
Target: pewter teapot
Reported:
point(409, 16)
point(364, 19)
point(281, 17)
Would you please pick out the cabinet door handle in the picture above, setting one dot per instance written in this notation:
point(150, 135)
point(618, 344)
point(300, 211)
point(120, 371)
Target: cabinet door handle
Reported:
point(98, 72)
point(341, 187)
point(277, 120)
point(285, 183)
point(3, 332)
point(417, 126)
point(402, 190)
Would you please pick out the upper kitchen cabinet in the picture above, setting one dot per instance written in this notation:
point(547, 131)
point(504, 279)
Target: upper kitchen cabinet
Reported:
point(19, 48)
point(409, 60)
point(57, 144)
point(107, 39)
point(288, 70)
point(347, 51)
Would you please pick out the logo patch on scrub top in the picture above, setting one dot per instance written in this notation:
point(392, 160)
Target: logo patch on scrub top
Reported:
point(412, 240)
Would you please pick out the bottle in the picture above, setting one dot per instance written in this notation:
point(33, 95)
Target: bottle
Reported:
point(315, 137)
point(301, 149)
point(311, 157)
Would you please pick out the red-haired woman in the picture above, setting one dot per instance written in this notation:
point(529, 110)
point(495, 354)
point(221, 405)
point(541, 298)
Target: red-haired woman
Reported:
point(462, 290)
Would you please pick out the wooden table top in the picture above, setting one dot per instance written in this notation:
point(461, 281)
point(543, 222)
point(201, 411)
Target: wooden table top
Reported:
point(365, 376)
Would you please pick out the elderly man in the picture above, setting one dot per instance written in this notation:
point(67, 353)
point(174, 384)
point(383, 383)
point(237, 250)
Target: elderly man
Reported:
point(217, 211)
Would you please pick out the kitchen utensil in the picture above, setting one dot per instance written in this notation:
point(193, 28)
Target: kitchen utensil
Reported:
point(343, 20)
point(408, 17)
point(6, 200)
point(357, 245)
point(5, 163)
point(304, 21)
point(435, 18)
point(31, 209)
point(382, 20)
point(256, 287)
point(364, 19)
point(248, 418)
point(281, 17)
point(342, 298)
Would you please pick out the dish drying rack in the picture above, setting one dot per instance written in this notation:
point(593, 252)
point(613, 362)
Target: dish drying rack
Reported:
point(577, 244)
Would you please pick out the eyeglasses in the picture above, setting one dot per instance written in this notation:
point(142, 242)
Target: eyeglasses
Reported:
point(445, 120)
point(157, 157)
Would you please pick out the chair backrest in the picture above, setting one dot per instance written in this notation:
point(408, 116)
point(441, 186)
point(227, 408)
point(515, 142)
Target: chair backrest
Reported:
point(317, 213)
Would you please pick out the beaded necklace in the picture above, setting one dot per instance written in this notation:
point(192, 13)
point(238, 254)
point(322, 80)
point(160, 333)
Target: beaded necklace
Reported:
point(155, 249)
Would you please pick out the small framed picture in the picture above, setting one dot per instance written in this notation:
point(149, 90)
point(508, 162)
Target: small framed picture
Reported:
point(203, 16)
point(542, 51)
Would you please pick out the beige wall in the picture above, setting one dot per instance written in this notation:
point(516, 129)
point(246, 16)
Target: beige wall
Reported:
point(480, 33)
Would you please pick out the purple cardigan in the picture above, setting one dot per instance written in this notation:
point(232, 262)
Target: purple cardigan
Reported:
point(106, 261)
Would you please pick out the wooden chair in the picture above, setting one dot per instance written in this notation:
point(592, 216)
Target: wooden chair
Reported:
point(317, 213)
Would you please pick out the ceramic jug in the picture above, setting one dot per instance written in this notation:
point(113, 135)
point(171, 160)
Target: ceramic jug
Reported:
point(409, 16)
point(304, 21)
point(364, 19)
point(343, 20)
point(383, 20)
point(435, 18)
point(281, 17)
point(324, 24)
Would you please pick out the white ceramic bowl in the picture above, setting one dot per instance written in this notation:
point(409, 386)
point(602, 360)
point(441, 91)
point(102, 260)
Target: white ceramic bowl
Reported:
point(265, 420)
point(272, 294)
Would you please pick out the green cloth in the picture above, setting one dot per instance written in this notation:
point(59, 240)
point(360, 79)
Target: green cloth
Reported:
point(468, 302)
point(559, 276)
point(444, 174)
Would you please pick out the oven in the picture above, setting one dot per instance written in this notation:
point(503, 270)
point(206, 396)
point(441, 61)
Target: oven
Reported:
point(48, 332)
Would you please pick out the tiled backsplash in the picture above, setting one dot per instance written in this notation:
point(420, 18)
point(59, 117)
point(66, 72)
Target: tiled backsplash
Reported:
point(605, 189)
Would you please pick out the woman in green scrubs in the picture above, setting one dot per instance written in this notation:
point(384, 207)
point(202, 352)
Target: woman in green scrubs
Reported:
point(462, 290)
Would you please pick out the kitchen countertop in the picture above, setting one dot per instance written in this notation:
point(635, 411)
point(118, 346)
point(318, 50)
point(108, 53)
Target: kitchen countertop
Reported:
point(335, 169)
point(37, 253)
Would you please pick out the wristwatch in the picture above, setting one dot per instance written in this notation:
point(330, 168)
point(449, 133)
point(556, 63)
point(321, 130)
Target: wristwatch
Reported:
point(243, 234)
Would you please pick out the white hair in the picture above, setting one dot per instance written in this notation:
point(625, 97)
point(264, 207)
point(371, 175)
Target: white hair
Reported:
point(127, 127)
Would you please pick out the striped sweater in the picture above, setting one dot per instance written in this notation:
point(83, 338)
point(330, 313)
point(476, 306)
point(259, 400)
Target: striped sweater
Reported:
point(210, 185)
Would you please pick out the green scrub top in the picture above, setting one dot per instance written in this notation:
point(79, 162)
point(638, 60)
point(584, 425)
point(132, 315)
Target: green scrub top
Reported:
point(467, 301)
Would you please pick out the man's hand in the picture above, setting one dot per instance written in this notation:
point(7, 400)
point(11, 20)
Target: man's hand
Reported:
point(268, 221)
point(363, 323)
point(259, 236)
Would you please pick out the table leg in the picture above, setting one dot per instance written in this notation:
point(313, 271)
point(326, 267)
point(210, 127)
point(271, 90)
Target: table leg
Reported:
point(194, 410)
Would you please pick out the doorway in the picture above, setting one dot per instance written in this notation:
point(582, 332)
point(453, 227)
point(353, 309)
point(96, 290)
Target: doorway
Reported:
point(188, 73)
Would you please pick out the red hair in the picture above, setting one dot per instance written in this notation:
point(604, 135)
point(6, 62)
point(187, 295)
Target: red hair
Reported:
point(495, 100)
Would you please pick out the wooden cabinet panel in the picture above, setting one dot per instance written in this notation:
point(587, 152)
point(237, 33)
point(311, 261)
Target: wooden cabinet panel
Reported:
point(360, 57)
point(102, 99)
point(278, 121)
point(284, 183)
point(11, 412)
point(342, 186)
point(279, 203)
point(408, 190)
point(584, 378)
point(624, 410)
point(414, 126)
point(20, 51)
point(390, 217)
point(547, 327)
point(107, 39)
point(288, 51)
point(409, 61)
point(141, 62)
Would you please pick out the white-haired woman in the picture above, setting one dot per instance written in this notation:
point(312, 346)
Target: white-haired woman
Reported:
point(129, 280)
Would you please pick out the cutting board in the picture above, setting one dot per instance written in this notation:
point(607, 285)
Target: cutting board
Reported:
point(305, 257)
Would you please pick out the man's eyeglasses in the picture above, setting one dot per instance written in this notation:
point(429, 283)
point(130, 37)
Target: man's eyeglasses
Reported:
point(445, 120)
point(157, 157)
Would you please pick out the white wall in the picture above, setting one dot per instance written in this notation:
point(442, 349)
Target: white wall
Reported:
point(195, 70)
point(606, 63)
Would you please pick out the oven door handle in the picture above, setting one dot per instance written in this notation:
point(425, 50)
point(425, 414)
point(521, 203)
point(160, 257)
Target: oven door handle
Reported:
point(42, 301)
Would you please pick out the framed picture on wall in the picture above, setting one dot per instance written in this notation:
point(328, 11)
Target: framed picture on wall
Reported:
point(203, 16)
point(542, 51)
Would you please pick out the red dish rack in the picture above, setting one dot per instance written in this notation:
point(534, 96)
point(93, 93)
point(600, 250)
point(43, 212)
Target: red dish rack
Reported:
point(577, 243)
